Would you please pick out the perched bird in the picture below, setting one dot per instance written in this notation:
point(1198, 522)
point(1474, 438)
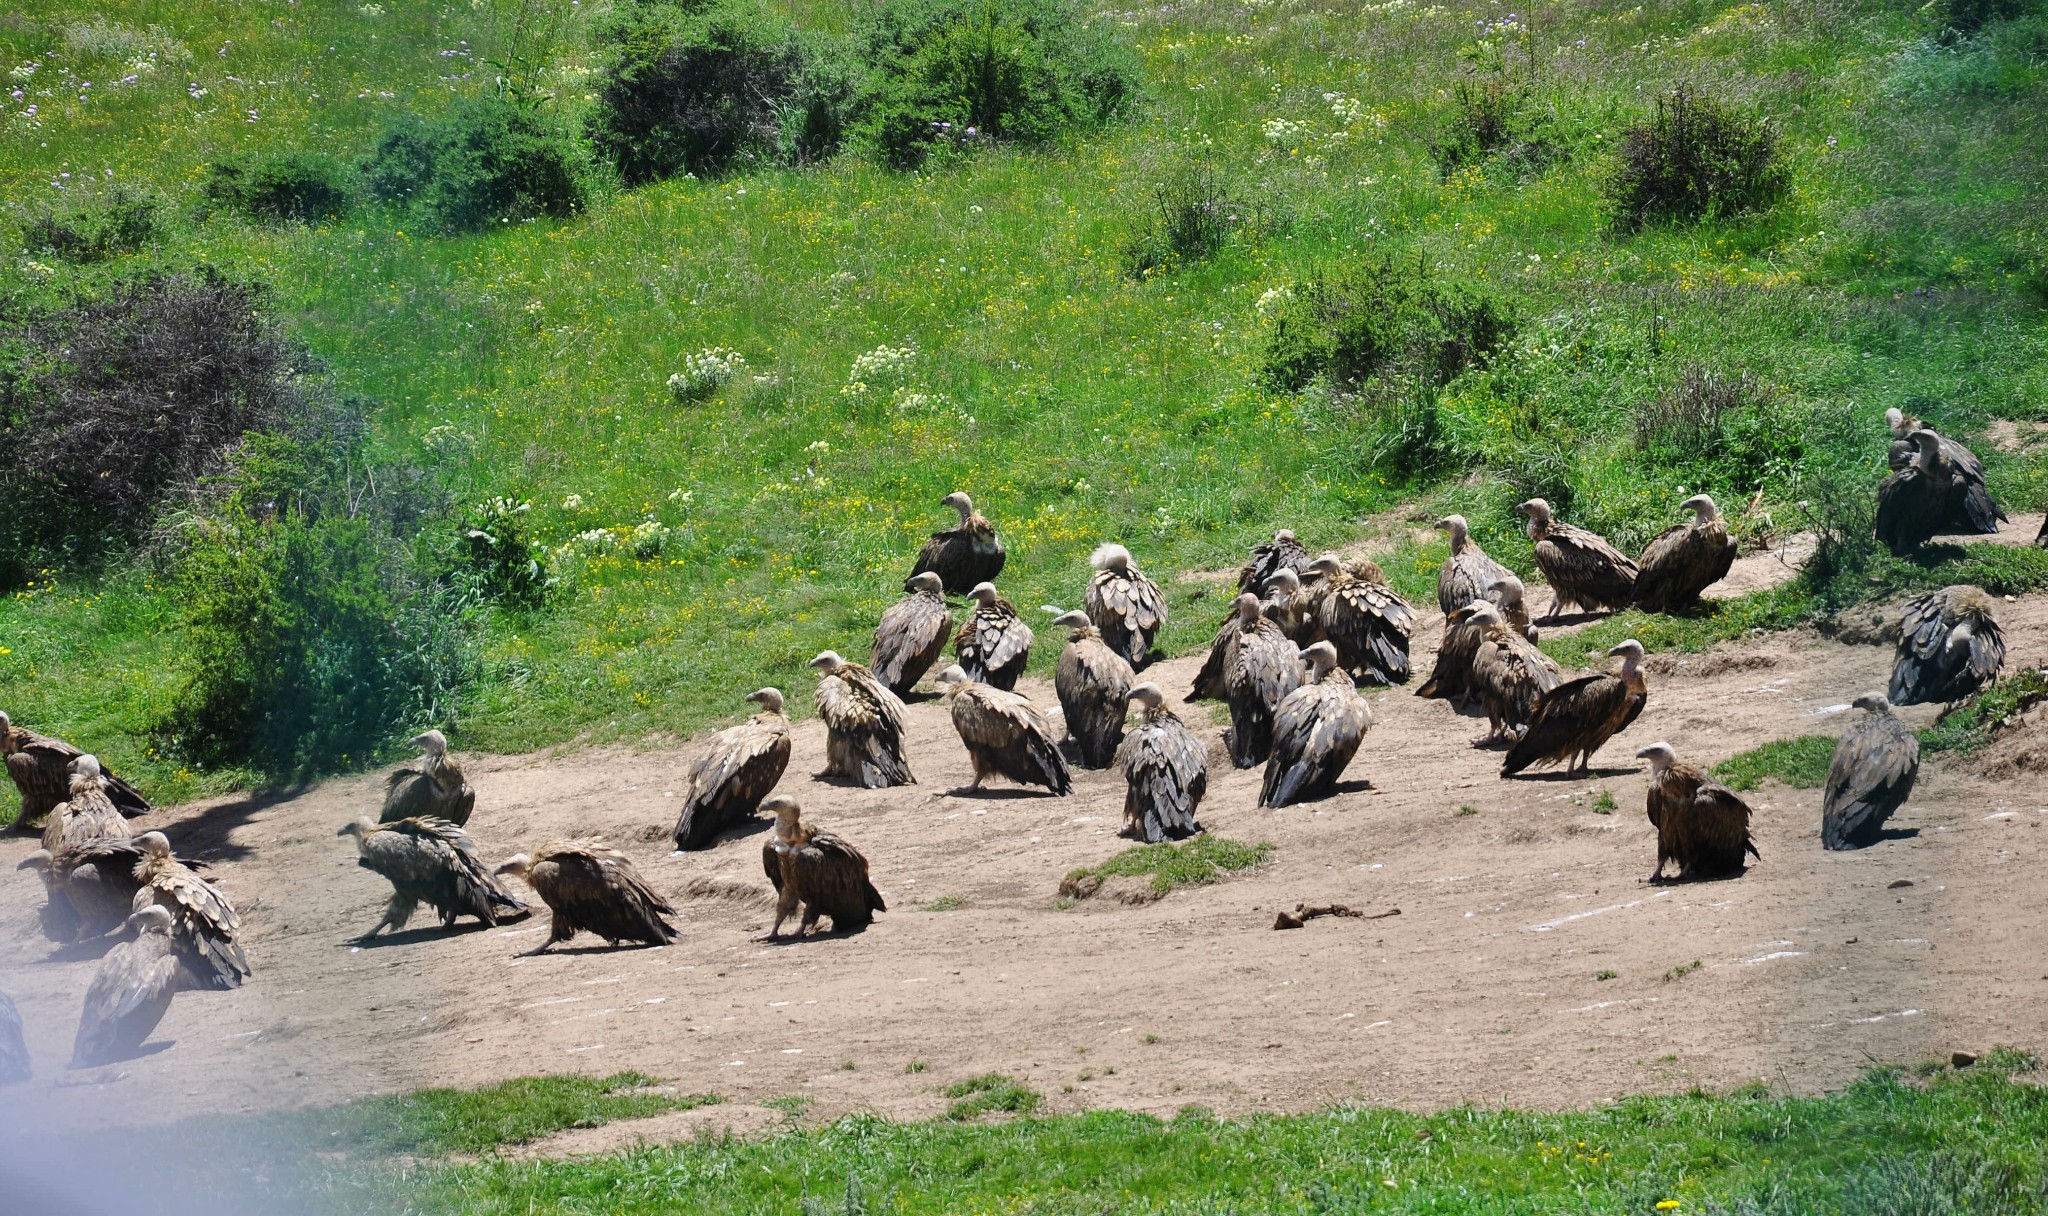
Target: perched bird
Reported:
point(817, 871)
point(1583, 569)
point(863, 725)
point(205, 929)
point(1451, 679)
point(1971, 509)
point(130, 993)
point(433, 790)
point(90, 888)
point(1702, 827)
point(13, 1050)
point(587, 885)
point(994, 643)
point(735, 773)
point(1508, 595)
point(912, 635)
point(1093, 683)
point(1005, 734)
point(1685, 559)
point(41, 768)
point(434, 862)
point(1316, 731)
point(964, 555)
point(1252, 667)
point(1913, 502)
point(1573, 719)
point(1364, 619)
point(88, 815)
point(1871, 775)
point(1166, 772)
point(1509, 674)
point(1125, 605)
point(1291, 606)
point(1949, 647)
point(1467, 572)
point(1283, 552)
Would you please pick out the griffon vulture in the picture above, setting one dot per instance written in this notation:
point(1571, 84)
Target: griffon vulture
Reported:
point(41, 768)
point(1316, 731)
point(587, 885)
point(863, 725)
point(912, 635)
point(88, 815)
point(817, 871)
point(1283, 552)
point(1508, 673)
point(90, 887)
point(1166, 772)
point(1451, 679)
point(1508, 595)
point(434, 862)
point(1949, 647)
point(1970, 508)
point(13, 1050)
point(130, 993)
point(1291, 606)
point(1572, 720)
point(735, 773)
point(1252, 667)
point(1005, 734)
point(1124, 604)
point(964, 555)
point(1871, 775)
point(1702, 827)
point(1467, 572)
point(1364, 619)
point(1093, 684)
point(994, 643)
point(1583, 569)
point(435, 789)
point(205, 929)
point(1685, 559)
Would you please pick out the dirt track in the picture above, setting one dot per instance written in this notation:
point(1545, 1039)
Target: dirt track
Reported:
point(1484, 989)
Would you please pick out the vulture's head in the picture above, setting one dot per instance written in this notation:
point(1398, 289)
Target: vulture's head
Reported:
point(959, 502)
point(1366, 570)
point(358, 828)
point(153, 919)
point(516, 865)
point(6, 733)
point(1284, 580)
point(927, 580)
point(1875, 702)
point(769, 699)
point(1895, 418)
point(1479, 612)
point(984, 594)
point(1702, 507)
point(154, 844)
point(828, 662)
point(1630, 652)
point(1506, 590)
point(38, 860)
point(1660, 755)
point(1321, 658)
point(1074, 619)
point(1536, 509)
point(87, 766)
point(432, 742)
point(1927, 448)
point(1327, 564)
point(1111, 557)
point(786, 812)
point(1285, 536)
point(954, 677)
point(1456, 528)
point(1247, 608)
point(1151, 696)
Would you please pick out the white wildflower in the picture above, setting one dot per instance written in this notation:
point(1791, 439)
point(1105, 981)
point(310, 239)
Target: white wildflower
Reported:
point(681, 495)
point(704, 371)
point(573, 502)
point(1272, 298)
point(1347, 110)
point(884, 364)
point(1286, 131)
point(648, 539)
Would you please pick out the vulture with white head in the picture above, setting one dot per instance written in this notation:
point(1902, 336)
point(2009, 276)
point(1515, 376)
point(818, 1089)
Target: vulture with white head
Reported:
point(735, 773)
point(1685, 559)
point(1316, 732)
point(90, 887)
point(88, 815)
point(1451, 678)
point(1508, 673)
point(1584, 570)
point(433, 862)
point(1283, 552)
point(994, 643)
point(1467, 572)
point(1575, 718)
point(130, 992)
point(1364, 619)
point(817, 872)
point(1166, 772)
point(1004, 733)
point(434, 789)
point(1252, 667)
point(589, 886)
point(1913, 504)
point(206, 932)
point(1508, 595)
point(1702, 827)
point(1291, 606)
point(863, 725)
point(41, 769)
point(1124, 604)
point(1950, 646)
point(1871, 775)
point(963, 555)
point(912, 634)
point(1093, 683)
point(1970, 508)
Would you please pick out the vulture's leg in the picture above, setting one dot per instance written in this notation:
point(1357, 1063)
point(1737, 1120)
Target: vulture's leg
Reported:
point(784, 905)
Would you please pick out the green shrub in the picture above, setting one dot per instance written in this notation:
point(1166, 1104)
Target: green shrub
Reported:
point(1495, 118)
point(1193, 216)
point(124, 221)
point(1969, 16)
point(281, 187)
point(506, 561)
point(1380, 320)
point(1694, 158)
point(487, 160)
point(1725, 431)
point(956, 74)
point(991, 1092)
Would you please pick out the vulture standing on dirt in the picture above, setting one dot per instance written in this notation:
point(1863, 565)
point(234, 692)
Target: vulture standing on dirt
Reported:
point(911, 635)
point(1685, 559)
point(818, 872)
point(863, 725)
point(130, 993)
point(1252, 666)
point(1971, 509)
point(88, 815)
point(1451, 679)
point(1508, 595)
point(1364, 619)
point(1166, 772)
point(1702, 827)
point(434, 862)
point(435, 789)
point(1291, 606)
point(41, 768)
point(1572, 720)
point(1949, 647)
point(205, 929)
point(1932, 496)
point(1871, 775)
point(1094, 685)
point(994, 644)
point(1005, 734)
point(1467, 572)
point(961, 556)
point(90, 887)
point(735, 773)
point(1583, 569)
point(1124, 604)
point(1508, 673)
point(13, 1050)
point(1316, 731)
point(587, 885)
point(1283, 552)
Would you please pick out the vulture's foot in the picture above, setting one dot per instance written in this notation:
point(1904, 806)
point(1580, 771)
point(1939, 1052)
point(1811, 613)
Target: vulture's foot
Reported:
point(538, 950)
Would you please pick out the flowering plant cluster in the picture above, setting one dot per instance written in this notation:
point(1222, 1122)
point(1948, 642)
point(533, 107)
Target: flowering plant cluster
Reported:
point(705, 371)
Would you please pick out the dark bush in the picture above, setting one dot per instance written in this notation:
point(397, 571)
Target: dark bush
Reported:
point(487, 160)
point(1969, 16)
point(1495, 118)
point(281, 187)
point(1382, 321)
point(1694, 158)
point(1731, 432)
point(955, 74)
point(124, 221)
point(1193, 216)
point(504, 558)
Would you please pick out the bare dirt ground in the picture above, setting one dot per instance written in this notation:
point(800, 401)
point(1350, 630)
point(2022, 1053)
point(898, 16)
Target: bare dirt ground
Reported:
point(1487, 988)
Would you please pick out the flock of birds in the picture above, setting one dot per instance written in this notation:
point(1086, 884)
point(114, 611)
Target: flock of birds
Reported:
point(1287, 661)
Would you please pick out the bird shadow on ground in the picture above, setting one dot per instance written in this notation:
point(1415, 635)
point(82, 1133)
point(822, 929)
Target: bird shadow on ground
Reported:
point(1674, 880)
point(919, 698)
point(836, 780)
point(412, 937)
point(206, 834)
point(593, 948)
point(90, 948)
point(1569, 619)
point(1899, 834)
point(1000, 795)
point(148, 1049)
point(1561, 775)
point(791, 939)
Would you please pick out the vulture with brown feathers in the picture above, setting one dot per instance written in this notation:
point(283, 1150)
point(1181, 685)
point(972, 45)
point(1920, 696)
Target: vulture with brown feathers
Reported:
point(130, 992)
point(1950, 646)
point(1166, 772)
point(1467, 572)
point(1575, 718)
point(1283, 552)
point(1291, 606)
point(13, 1049)
point(1451, 678)
point(994, 643)
point(1871, 775)
point(1583, 569)
point(1918, 502)
point(818, 872)
point(206, 932)
point(435, 789)
point(1004, 733)
point(41, 769)
point(88, 815)
point(735, 773)
point(1316, 732)
point(433, 862)
point(912, 634)
point(1970, 507)
point(1124, 604)
point(863, 725)
point(1093, 684)
point(1508, 673)
point(1252, 666)
point(1364, 619)
point(90, 887)
point(1508, 595)
point(1685, 559)
point(963, 555)
point(1702, 827)
point(588, 885)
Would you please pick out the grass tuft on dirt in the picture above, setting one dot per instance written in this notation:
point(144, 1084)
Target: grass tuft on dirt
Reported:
point(1974, 724)
point(1801, 763)
point(990, 1093)
point(438, 1122)
point(1198, 862)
